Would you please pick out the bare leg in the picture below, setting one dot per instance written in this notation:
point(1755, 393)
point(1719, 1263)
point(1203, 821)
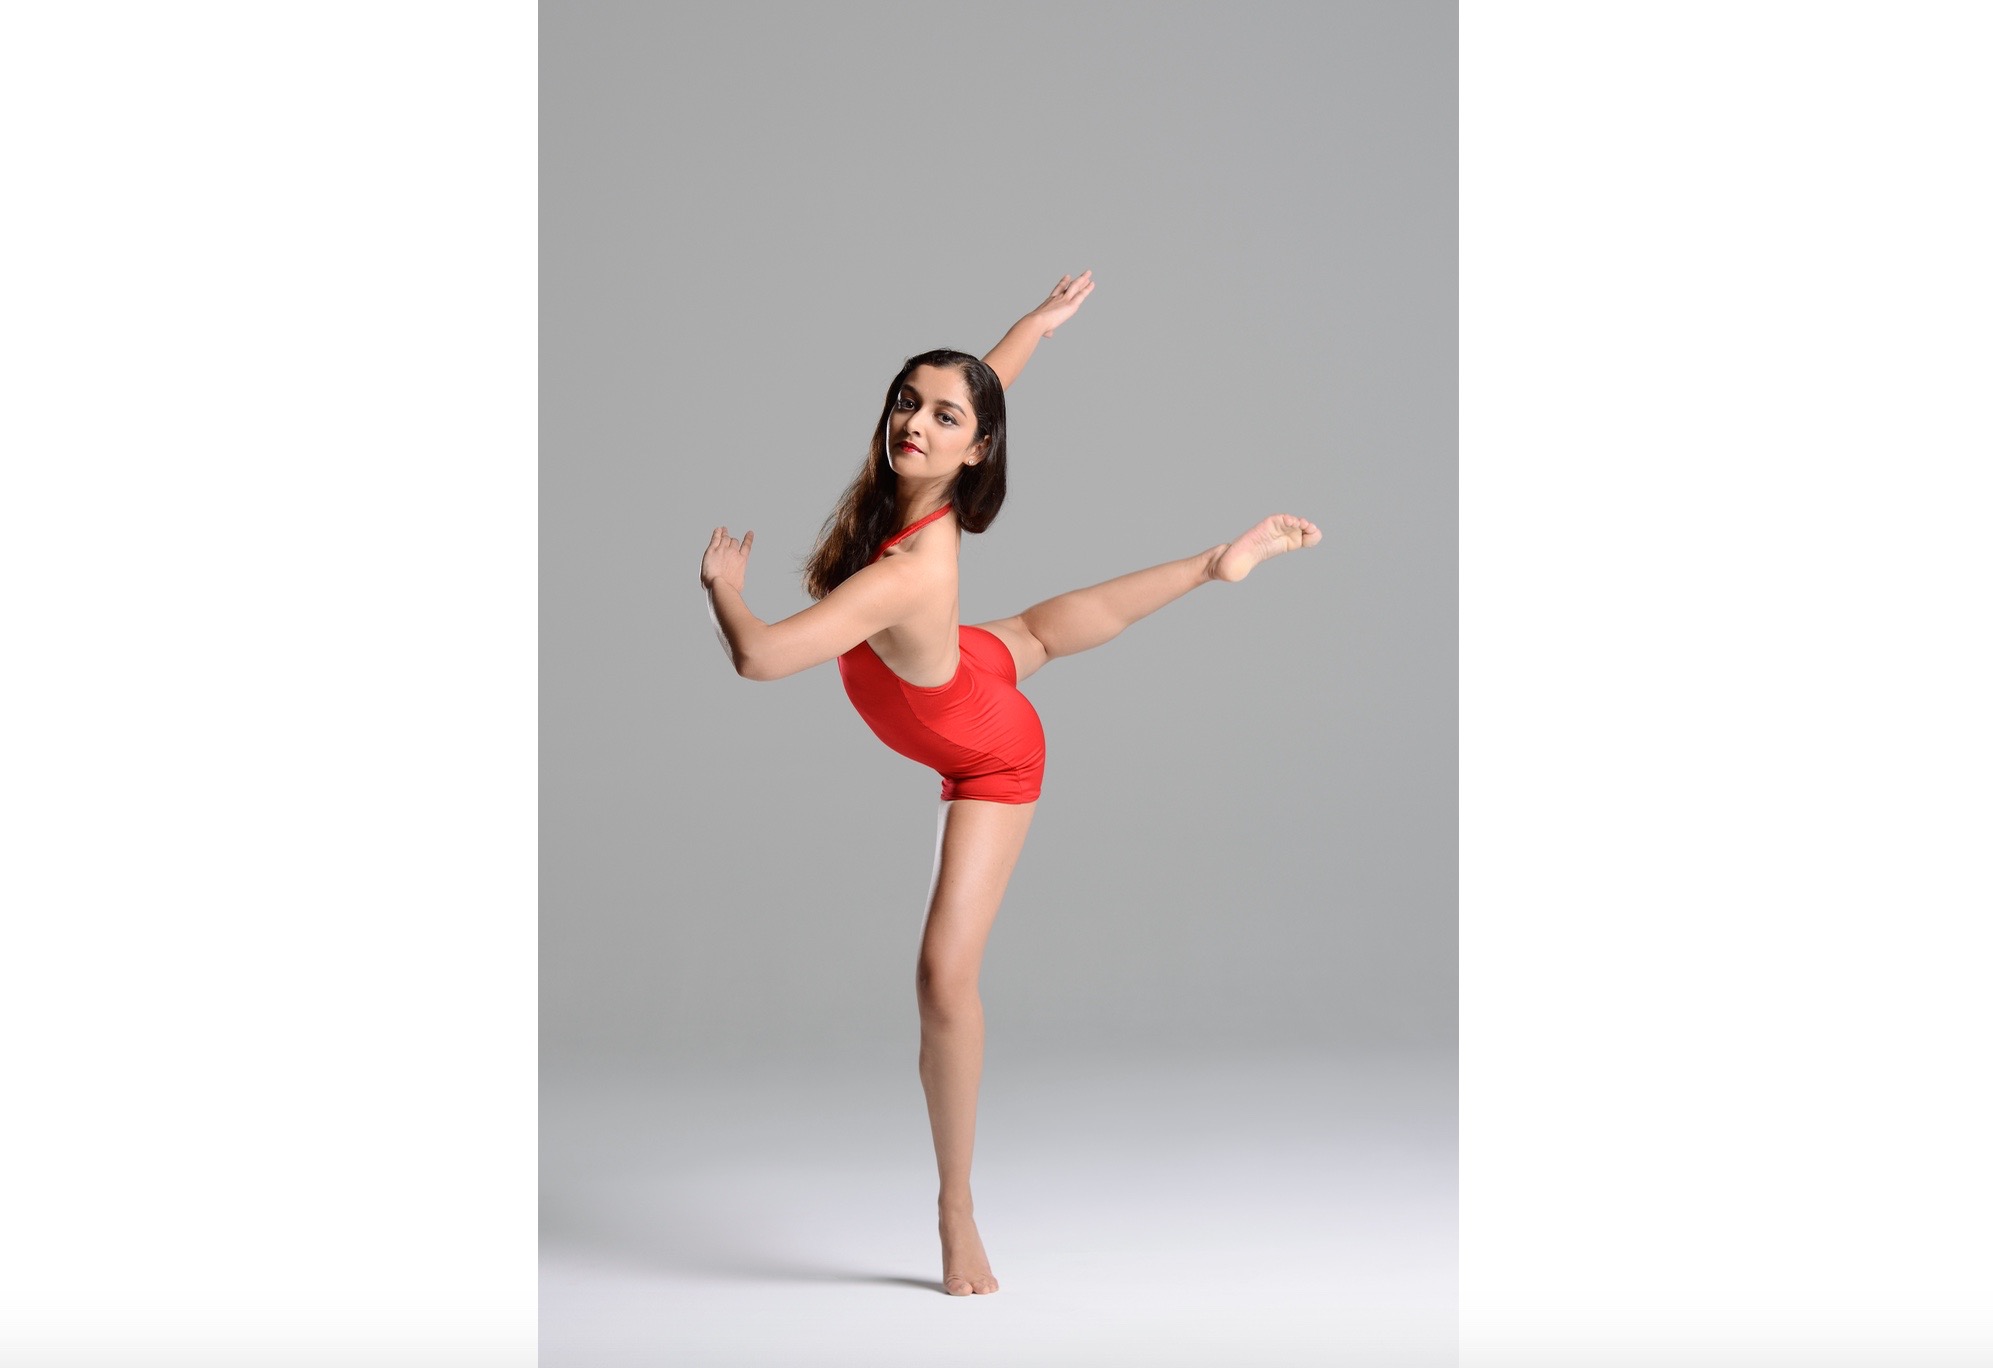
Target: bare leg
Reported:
point(977, 848)
point(1086, 618)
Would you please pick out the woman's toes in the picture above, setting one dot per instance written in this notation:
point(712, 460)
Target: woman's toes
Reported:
point(955, 1285)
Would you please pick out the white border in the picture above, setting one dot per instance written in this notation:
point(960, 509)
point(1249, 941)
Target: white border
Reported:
point(1726, 676)
point(269, 544)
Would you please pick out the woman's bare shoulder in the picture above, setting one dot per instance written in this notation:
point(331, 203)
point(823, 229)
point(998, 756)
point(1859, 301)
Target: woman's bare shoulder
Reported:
point(933, 549)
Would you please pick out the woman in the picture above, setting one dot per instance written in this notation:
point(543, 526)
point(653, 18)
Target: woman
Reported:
point(884, 577)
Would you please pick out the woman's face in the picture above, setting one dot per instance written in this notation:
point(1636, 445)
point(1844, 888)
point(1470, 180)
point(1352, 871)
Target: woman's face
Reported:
point(931, 428)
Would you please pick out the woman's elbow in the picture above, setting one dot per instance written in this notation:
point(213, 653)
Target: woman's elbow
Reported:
point(757, 668)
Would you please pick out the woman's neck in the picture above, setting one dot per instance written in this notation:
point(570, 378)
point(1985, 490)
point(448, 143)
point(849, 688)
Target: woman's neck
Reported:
point(918, 509)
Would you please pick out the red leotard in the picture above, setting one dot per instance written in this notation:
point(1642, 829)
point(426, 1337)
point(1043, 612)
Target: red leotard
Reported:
point(977, 730)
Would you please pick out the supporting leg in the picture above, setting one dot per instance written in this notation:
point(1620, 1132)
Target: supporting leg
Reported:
point(977, 848)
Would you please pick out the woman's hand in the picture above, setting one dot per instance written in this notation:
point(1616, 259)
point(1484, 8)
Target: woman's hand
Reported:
point(1007, 358)
point(1063, 302)
point(726, 561)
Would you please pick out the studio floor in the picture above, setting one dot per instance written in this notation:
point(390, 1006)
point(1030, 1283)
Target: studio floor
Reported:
point(1241, 1210)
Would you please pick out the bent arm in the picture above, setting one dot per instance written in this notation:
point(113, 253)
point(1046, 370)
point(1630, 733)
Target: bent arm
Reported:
point(870, 601)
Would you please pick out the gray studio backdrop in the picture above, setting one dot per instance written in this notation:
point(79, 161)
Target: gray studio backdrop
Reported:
point(750, 215)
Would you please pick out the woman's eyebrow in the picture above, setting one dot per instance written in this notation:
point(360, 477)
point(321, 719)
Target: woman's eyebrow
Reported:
point(949, 402)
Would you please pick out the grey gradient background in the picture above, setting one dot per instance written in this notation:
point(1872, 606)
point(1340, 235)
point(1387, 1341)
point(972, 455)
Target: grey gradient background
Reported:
point(1218, 1105)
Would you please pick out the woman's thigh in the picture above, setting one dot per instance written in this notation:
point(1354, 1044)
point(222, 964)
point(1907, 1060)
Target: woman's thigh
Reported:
point(1025, 649)
point(976, 849)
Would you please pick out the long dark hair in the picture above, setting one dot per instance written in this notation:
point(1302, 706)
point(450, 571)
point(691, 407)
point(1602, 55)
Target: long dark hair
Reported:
point(869, 512)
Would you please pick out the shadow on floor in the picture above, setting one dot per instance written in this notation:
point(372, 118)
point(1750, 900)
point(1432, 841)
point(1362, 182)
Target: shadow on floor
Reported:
point(679, 1240)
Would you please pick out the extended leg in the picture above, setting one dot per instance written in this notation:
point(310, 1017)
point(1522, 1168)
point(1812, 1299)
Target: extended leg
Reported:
point(977, 848)
point(1086, 618)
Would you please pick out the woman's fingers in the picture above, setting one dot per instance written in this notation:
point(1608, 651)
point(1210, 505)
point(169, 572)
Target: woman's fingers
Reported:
point(1068, 285)
point(1065, 298)
point(1072, 289)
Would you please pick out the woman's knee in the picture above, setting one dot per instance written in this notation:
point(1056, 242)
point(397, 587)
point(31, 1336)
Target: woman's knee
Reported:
point(1027, 652)
point(943, 987)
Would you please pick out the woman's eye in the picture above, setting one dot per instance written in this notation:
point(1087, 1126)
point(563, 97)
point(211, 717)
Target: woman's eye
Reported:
point(903, 402)
point(948, 420)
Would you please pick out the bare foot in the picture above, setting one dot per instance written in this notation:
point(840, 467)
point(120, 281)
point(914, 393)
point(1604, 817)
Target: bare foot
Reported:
point(1269, 537)
point(965, 1267)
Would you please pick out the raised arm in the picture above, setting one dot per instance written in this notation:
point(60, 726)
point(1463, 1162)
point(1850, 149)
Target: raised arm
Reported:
point(870, 601)
point(1007, 358)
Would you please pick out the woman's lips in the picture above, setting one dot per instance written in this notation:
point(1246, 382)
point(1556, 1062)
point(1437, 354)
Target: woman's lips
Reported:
point(909, 446)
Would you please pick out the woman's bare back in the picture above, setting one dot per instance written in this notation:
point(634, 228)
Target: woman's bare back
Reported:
point(925, 648)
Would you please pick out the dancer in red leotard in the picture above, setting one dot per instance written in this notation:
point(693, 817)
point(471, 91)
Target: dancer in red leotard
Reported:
point(945, 694)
